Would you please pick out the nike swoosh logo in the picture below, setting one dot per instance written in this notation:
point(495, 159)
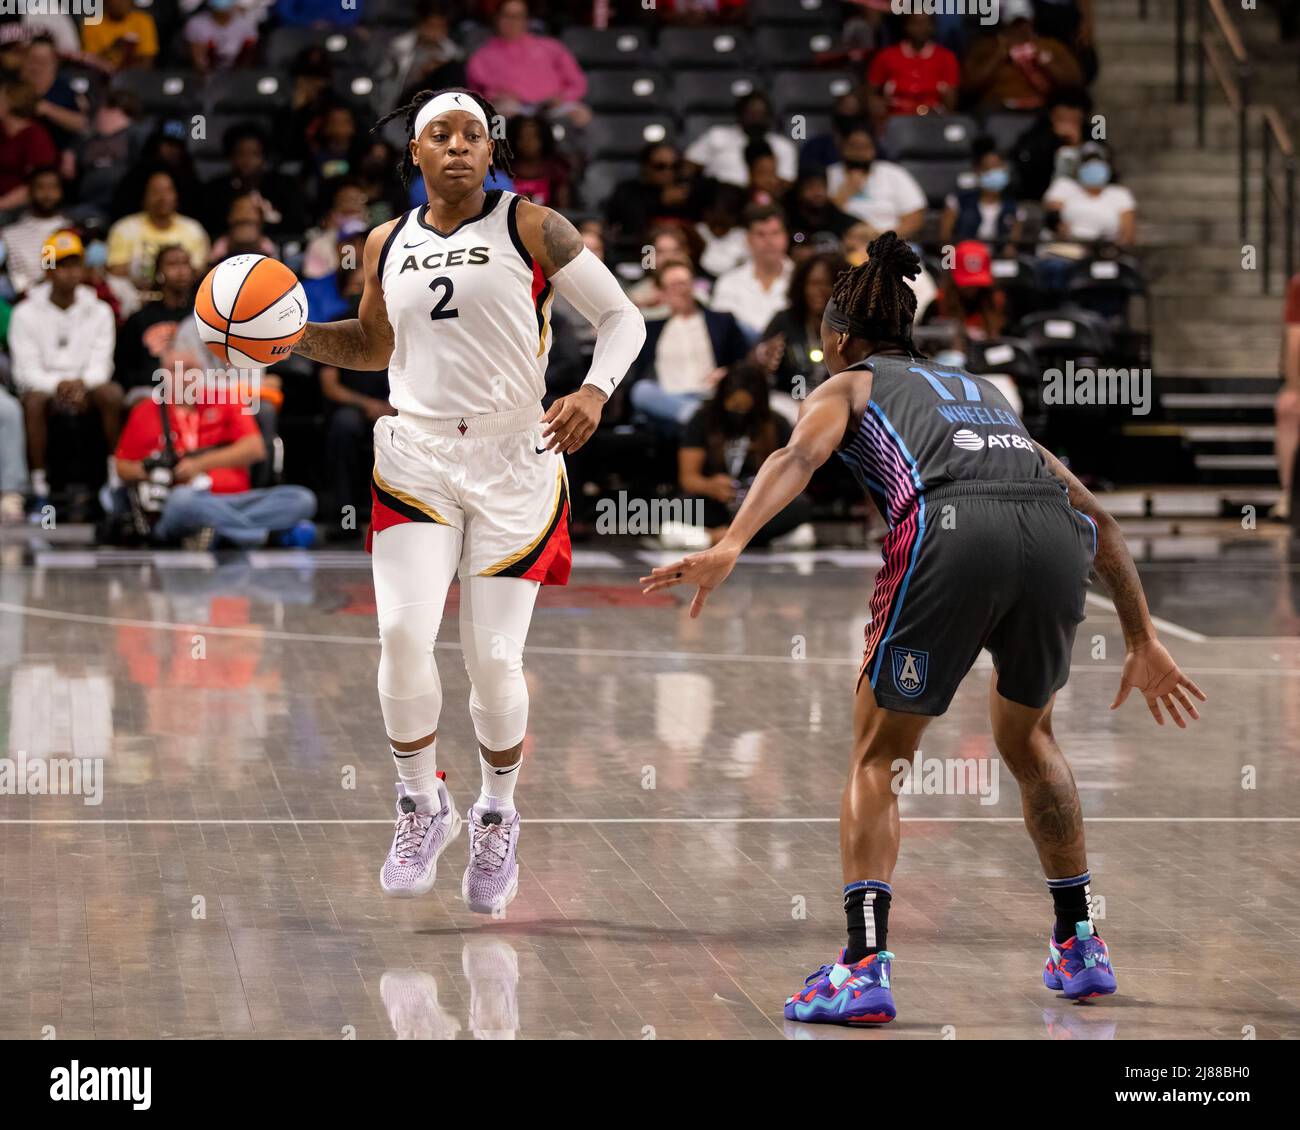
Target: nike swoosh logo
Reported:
point(503, 772)
point(417, 243)
point(539, 450)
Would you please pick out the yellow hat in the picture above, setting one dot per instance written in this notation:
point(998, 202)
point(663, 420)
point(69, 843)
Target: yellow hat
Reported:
point(62, 244)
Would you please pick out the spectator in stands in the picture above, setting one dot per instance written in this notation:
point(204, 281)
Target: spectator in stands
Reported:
point(1090, 207)
point(1287, 407)
point(1050, 147)
point(1017, 69)
point(309, 97)
point(1070, 22)
point(798, 331)
point(822, 150)
point(726, 244)
point(125, 37)
point(523, 73)
point(666, 242)
point(135, 240)
point(685, 354)
point(113, 144)
point(880, 193)
point(356, 399)
point(984, 205)
point(376, 176)
point(221, 37)
point(316, 13)
point(337, 295)
point(755, 291)
point(724, 444)
point(917, 75)
point(166, 149)
point(855, 246)
point(244, 232)
point(218, 443)
point(61, 348)
point(147, 335)
point(278, 197)
point(59, 108)
point(810, 212)
point(349, 213)
point(719, 151)
point(333, 145)
point(540, 173)
point(659, 192)
point(424, 58)
point(765, 186)
point(13, 459)
point(25, 144)
point(24, 238)
point(975, 297)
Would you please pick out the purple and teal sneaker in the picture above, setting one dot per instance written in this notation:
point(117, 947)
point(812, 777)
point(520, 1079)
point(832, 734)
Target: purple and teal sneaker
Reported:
point(492, 878)
point(846, 994)
point(425, 826)
point(1080, 966)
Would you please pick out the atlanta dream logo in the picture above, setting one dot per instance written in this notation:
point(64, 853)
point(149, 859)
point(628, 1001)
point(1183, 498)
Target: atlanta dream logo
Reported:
point(910, 668)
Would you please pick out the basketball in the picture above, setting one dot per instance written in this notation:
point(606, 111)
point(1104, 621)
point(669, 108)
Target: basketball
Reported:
point(250, 310)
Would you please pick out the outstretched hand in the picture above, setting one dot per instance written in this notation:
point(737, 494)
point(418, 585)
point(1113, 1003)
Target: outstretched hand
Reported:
point(1151, 671)
point(707, 570)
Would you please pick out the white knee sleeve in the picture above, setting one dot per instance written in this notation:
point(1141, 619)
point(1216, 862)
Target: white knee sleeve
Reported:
point(494, 616)
point(413, 567)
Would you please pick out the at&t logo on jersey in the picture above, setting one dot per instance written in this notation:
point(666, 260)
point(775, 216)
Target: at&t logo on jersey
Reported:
point(910, 669)
point(968, 440)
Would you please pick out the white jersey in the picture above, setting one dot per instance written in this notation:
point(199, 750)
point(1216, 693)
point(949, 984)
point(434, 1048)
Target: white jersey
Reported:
point(469, 311)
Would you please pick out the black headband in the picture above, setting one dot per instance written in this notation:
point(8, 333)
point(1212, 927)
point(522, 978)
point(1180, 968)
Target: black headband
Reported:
point(867, 329)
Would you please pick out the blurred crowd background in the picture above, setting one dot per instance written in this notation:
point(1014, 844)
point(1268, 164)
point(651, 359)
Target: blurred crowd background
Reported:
point(727, 159)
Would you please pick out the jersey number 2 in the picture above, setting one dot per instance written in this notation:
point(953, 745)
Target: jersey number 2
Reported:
point(442, 286)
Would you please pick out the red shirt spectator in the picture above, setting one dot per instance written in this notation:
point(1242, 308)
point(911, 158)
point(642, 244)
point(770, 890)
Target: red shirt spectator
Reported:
point(24, 143)
point(193, 428)
point(918, 74)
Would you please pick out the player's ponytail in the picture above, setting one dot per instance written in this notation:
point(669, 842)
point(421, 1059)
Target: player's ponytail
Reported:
point(873, 301)
point(501, 153)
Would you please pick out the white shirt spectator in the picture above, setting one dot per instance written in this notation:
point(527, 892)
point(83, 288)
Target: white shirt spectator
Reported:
point(684, 355)
point(1089, 217)
point(224, 41)
point(723, 252)
point(720, 152)
point(23, 240)
point(888, 193)
point(49, 345)
point(739, 293)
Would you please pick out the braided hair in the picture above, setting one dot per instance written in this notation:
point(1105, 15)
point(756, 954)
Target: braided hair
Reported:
point(501, 152)
point(875, 294)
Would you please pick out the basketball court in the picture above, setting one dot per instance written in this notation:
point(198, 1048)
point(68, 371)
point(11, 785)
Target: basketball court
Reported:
point(680, 865)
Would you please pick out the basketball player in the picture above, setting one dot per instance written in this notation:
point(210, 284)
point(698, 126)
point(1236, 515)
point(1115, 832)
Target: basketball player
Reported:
point(469, 476)
point(989, 545)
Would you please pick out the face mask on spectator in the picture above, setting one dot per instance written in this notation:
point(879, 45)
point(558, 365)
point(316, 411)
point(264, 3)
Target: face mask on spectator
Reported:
point(994, 180)
point(1094, 174)
point(860, 166)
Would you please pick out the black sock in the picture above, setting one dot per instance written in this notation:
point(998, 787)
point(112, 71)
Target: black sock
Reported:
point(1071, 899)
point(866, 905)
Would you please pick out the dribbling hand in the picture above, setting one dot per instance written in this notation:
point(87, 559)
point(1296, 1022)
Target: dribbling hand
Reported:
point(1151, 670)
point(707, 570)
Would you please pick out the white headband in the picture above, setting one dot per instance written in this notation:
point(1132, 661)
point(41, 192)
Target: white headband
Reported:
point(436, 107)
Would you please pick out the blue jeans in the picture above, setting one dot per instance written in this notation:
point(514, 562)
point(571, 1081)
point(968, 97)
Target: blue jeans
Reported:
point(245, 517)
point(13, 445)
point(670, 411)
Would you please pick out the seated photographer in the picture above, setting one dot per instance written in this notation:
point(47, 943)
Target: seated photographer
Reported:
point(186, 473)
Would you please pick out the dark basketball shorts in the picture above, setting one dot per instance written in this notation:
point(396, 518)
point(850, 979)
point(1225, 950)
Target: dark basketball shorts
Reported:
point(997, 565)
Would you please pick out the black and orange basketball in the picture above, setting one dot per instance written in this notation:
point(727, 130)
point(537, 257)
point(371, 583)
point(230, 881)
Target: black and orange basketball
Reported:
point(250, 310)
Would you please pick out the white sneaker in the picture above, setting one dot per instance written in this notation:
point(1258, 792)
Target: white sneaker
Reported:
point(426, 826)
point(682, 535)
point(801, 537)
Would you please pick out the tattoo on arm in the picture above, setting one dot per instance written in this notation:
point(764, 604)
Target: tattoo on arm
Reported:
point(342, 344)
point(562, 242)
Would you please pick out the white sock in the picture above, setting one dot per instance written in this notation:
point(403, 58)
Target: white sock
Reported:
point(113, 480)
point(497, 793)
point(418, 769)
point(40, 486)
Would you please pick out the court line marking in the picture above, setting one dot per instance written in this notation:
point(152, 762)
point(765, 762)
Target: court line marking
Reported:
point(1167, 626)
point(704, 820)
point(595, 652)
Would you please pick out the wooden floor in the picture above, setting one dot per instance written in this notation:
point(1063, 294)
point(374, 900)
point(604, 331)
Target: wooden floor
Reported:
point(216, 873)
